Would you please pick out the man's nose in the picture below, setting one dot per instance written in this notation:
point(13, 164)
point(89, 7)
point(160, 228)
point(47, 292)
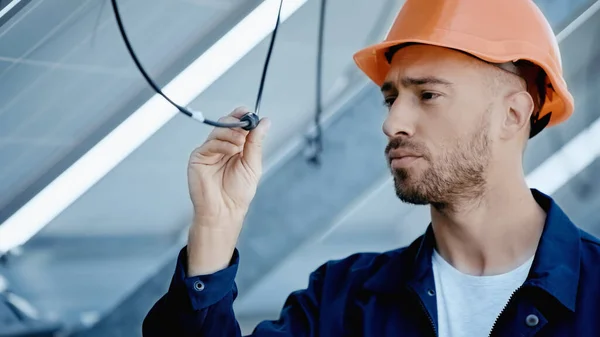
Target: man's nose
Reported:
point(401, 120)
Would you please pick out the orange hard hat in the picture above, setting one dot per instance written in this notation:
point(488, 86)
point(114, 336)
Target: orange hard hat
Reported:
point(496, 31)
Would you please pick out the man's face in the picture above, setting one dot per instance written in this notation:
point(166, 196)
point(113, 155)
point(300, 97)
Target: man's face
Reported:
point(440, 108)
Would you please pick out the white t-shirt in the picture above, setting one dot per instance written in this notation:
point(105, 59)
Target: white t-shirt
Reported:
point(468, 305)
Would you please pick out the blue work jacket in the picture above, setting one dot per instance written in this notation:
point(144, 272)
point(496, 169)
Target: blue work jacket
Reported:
point(393, 294)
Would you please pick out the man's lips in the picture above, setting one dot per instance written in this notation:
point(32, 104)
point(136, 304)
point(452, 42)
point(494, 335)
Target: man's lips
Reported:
point(402, 161)
point(401, 158)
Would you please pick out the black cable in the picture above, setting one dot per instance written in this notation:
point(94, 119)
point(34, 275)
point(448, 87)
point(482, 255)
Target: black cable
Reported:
point(267, 60)
point(317, 141)
point(248, 122)
point(139, 65)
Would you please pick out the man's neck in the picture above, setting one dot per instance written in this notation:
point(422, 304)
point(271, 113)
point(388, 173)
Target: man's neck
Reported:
point(492, 235)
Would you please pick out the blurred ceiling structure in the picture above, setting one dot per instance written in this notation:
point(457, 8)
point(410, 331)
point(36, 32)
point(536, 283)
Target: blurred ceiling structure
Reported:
point(101, 260)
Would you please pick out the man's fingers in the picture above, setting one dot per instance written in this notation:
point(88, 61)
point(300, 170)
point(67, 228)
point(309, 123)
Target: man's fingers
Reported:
point(217, 147)
point(229, 141)
point(239, 112)
point(254, 143)
point(234, 135)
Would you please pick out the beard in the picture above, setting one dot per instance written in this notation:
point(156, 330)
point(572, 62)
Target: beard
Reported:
point(456, 175)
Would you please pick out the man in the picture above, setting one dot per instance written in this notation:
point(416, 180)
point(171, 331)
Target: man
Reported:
point(467, 82)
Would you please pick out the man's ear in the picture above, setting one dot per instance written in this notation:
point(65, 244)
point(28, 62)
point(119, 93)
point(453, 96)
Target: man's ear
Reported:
point(520, 106)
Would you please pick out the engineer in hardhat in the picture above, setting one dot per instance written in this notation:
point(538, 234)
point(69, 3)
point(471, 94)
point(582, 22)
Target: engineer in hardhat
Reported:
point(467, 83)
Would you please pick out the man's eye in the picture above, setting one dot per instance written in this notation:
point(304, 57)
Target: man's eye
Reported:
point(389, 101)
point(426, 95)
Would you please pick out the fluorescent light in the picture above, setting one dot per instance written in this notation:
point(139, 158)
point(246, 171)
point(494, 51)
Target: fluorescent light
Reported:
point(8, 7)
point(586, 15)
point(142, 124)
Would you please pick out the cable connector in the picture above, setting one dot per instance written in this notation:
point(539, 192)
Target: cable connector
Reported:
point(252, 119)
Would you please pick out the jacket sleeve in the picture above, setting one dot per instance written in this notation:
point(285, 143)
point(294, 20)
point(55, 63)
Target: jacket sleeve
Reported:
point(202, 306)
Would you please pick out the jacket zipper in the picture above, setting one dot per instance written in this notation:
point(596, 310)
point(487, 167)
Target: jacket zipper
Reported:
point(503, 309)
point(432, 324)
point(430, 319)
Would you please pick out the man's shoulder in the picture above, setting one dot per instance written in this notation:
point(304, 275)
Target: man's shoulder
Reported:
point(589, 239)
point(363, 262)
point(589, 260)
point(359, 267)
point(590, 246)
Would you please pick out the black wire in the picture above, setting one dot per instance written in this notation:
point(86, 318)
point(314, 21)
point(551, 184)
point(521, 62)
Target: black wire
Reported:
point(179, 107)
point(264, 73)
point(317, 141)
point(139, 65)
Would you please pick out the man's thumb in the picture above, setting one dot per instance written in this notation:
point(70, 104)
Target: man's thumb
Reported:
point(254, 143)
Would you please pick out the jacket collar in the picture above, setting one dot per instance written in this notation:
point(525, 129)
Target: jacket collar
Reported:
point(555, 268)
point(556, 263)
